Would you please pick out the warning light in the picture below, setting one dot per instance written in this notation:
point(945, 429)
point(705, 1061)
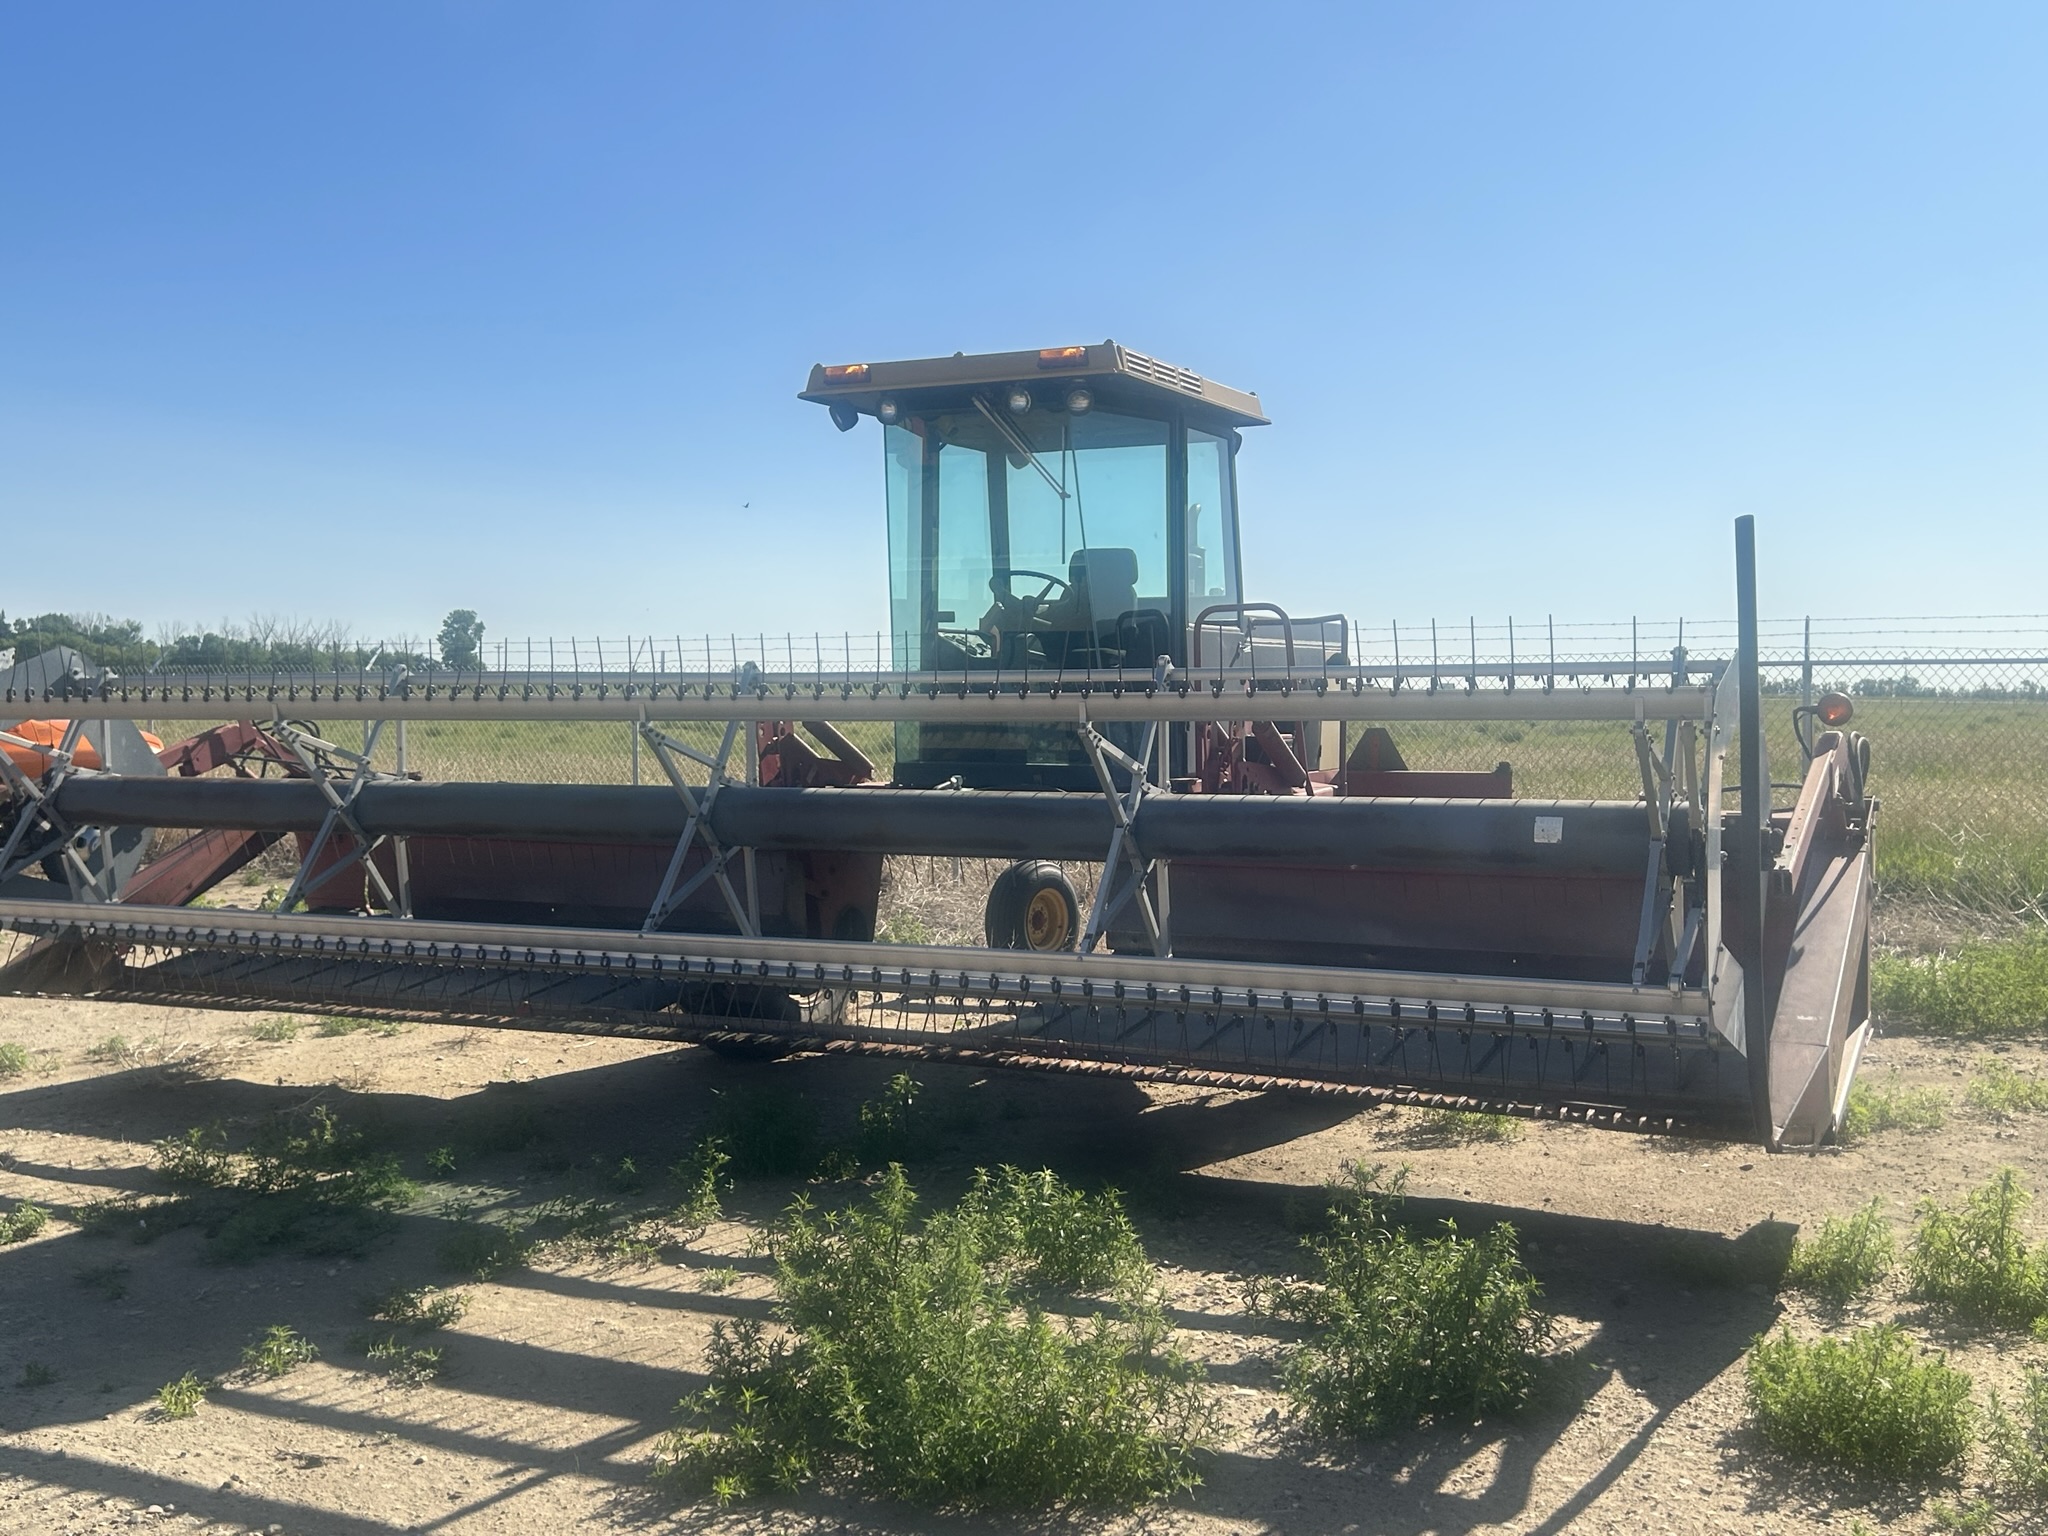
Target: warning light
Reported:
point(1061, 357)
point(847, 373)
point(1835, 709)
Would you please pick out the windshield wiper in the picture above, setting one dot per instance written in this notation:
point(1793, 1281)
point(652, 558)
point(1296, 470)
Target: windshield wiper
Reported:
point(1015, 439)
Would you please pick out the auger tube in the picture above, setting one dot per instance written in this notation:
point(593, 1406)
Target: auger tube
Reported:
point(1472, 836)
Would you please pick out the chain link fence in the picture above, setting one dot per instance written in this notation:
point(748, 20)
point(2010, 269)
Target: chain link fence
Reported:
point(1956, 711)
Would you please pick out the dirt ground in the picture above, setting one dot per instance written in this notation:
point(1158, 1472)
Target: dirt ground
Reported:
point(561, 1377)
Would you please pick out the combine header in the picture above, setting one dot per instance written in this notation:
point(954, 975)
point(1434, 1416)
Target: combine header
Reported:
point(1074, 679)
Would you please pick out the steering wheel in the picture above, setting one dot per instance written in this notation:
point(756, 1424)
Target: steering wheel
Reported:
point(1012, 620)
point(1018, 613)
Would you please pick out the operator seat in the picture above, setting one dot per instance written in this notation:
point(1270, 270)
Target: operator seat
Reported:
point(1102, 584)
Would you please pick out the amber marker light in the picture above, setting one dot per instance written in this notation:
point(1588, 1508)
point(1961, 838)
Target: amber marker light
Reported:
point(1061, 357)
point(847, 373)
point(1835, 709)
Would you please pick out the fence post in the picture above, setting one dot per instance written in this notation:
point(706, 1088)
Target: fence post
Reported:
point(1806, 667)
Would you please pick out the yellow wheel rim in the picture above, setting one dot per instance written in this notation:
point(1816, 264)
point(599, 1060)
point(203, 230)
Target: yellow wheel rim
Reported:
point(1046, 926)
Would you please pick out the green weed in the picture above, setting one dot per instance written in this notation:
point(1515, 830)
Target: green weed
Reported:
point(625, 1178)
point(318, 1188)
point(921, 1357)
point(196, 1158)
point(305, 1183)
point(1406, 1328)
point(767, 1132)
point(180, 1399)
point(277, 1030)
point(441, 1161)
point(1458, 1127)
point(1846, 1257)
point(14, 1059)
point(573, 1228)
point(893, 1127)
point(22, 1223)
point(333, 1027)
point(1364, 1190)
point(279, 1352)
point(110, 1280)
point(422, 1309)
point(1868, 1402)
point(837, 1165)
point(1976, 1517)
point(1891, 1106)
point(903, 928)
point(395, 1352)
point(1979, 990)
point(700, 1176)
point(1976, 1261)
point(484, 1249)
point(1063, 1238)
point(140, 1221)
point(2001, 1090)
point(403, 1364)
point(2018, 1443)
point(115, 1048)
point(36, 1374)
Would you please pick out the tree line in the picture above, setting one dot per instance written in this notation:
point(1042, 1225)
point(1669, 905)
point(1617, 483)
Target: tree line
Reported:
point(264, 644)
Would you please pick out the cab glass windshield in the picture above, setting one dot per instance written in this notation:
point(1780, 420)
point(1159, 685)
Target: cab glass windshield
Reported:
point(1028, 539)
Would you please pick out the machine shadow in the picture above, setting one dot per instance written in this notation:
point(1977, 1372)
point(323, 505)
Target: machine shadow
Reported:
point(1097, 1131)
point(654, 1105)
point(26, 1471)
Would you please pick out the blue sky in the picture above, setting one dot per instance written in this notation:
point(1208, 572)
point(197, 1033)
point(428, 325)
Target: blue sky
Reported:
point(370, 311)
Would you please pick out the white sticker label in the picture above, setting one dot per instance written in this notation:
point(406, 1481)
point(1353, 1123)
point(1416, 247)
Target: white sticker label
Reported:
point(1549, 829)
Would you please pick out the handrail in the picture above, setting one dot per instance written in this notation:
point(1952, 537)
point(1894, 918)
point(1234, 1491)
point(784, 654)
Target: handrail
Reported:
point(1241, 610)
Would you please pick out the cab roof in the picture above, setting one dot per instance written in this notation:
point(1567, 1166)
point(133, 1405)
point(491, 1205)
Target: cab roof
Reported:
point(1117, 377)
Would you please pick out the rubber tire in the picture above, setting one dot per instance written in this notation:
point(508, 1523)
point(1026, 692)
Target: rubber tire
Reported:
point(1008, 918)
